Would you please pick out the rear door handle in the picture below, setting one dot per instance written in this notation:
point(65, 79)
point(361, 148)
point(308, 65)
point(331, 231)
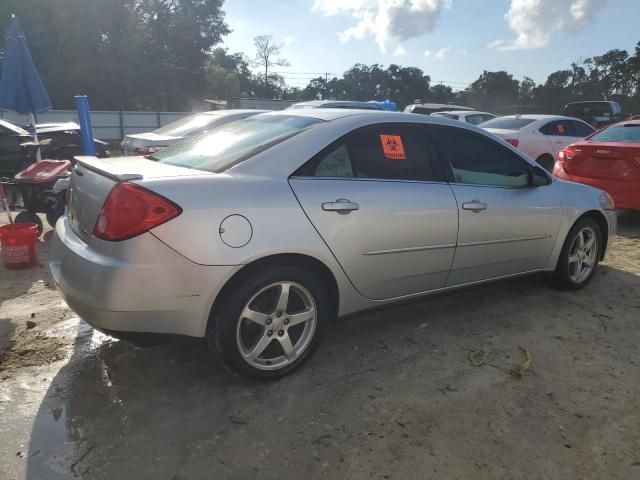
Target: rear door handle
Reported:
point(476, 206)
point(342, 206)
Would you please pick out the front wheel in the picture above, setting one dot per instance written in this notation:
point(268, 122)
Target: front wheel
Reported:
point(579, 257)
point(272, 323)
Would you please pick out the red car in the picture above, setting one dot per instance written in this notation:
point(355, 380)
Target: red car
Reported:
point(609, 160)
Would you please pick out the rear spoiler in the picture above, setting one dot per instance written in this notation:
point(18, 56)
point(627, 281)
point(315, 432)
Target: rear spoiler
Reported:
point(104, 167)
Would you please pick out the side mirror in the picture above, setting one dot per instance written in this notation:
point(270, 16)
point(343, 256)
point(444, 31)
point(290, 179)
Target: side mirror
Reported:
point(539, 177)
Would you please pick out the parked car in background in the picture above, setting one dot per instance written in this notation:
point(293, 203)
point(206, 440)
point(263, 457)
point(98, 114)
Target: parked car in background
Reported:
point(61, 141)
point(189, 126)
point(429, 108)
point(609, 160)
point(539, 136)
point(473, 117)
point(333, 224)
point(371, 105)
point(598, 114)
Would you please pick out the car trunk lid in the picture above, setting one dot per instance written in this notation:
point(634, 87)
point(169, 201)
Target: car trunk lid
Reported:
point(93, 178)
point(605, 160)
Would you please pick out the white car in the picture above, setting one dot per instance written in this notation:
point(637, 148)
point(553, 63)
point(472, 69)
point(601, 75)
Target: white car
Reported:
point(539, 136)
point(189, 126)
point(471, 116)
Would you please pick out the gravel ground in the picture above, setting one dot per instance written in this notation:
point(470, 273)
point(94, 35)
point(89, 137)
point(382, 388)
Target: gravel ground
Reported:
point(399, 393)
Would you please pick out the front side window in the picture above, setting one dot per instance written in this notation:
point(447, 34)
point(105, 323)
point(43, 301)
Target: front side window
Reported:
point(234, 142)
point(384, 152)
point(479, 160)
point(452, 116)
point(478, 119)
point(560, 128)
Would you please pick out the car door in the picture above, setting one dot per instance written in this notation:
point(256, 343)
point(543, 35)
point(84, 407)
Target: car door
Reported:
point(560, 133)
point(507, 226)
point(379, 200)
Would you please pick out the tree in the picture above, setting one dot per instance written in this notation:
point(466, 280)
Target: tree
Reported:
point(267, 56)
point(122, 53)
point(493, 90)
point(525, 93)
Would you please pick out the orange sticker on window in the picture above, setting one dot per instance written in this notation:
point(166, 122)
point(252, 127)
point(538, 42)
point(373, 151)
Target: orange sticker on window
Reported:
point(392, 147)
point(560, 128)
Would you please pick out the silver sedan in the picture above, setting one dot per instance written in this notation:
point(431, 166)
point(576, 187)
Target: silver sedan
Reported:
point(259, 234)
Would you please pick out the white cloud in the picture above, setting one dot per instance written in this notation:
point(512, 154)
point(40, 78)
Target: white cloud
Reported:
point(442, 53)
point(289, 40)
point(427, 53)
point(535, 21)
point(385, 20)
point(399, 51)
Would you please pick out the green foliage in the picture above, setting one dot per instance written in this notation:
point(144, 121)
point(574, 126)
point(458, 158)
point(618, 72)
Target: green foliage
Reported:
point(122, 53)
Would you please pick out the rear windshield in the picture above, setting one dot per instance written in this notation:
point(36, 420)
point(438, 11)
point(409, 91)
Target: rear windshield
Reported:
point(188, 125)
point(445, 115)
point(588, 108)
point(618, 133)
point(507, 123)
point(234, 142)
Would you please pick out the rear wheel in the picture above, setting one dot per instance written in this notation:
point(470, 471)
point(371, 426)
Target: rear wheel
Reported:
point(580, 255)
point(272, 323)
point(547, 162)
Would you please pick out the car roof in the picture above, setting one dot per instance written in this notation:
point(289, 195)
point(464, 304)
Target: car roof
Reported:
point(542, 117)
point(336, 104)
point(326, 114)
point(462, 112)
point(223, 113)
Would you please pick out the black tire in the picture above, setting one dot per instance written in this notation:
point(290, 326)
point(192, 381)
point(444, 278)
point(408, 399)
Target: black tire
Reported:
point(562, 276)
point(223, 326)
point(30, 217)
point(547, 162)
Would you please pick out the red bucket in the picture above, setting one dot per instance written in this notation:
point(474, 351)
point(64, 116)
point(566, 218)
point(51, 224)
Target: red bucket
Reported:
point(18, 241)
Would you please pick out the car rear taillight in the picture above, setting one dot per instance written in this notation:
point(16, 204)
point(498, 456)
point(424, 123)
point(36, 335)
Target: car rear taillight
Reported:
point(512, 141)
point(566, 154)
point(131, 210)
point(149, 150)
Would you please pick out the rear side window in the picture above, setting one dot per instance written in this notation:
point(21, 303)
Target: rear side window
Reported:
point(619, 133)
point(478, 119)
point(508, 123)
point(479, 160)
point(385, 152)
point(446, 115)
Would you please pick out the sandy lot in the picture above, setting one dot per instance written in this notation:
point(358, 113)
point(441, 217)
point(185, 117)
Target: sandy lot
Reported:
point(393, 394)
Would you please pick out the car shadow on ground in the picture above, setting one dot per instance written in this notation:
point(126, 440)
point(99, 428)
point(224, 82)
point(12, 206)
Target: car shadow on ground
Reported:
point(380, 395)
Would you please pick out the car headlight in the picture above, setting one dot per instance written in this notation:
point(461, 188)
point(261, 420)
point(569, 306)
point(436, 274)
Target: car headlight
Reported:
point(606, 202)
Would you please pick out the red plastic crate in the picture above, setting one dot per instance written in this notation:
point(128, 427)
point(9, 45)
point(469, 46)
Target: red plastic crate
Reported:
point(43, 171)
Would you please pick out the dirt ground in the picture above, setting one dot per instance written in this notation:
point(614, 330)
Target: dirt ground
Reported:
point(404, 393)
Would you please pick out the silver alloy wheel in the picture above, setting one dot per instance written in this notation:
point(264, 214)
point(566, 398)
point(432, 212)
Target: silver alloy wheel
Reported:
point(583, 254)
point(276, 325)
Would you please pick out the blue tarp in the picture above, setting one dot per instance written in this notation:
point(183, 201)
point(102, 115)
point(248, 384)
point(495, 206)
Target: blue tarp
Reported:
point(21, 88)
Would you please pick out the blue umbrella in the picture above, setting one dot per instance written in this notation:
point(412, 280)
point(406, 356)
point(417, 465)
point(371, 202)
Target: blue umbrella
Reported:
point(21, 88)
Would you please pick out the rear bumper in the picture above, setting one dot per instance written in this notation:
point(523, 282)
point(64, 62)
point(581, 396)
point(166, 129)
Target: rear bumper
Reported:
point(143, 286)
point(626, 195)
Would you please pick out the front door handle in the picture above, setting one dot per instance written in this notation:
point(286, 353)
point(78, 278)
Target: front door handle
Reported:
point(342, 206)
point(476, 206)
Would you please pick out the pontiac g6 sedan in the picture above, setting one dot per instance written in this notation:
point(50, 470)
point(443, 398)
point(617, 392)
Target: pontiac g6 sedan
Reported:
point(259, 234)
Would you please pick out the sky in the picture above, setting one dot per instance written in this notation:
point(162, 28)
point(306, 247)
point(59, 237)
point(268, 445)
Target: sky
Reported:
point(453, 41)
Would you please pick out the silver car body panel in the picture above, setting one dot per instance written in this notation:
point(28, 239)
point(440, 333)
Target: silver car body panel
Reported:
point(401, 243)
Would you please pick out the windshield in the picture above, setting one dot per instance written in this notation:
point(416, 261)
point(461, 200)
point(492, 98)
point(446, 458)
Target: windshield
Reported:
point(507, 123)
point(618, 133)
point(189, 124)
point(230, 144)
